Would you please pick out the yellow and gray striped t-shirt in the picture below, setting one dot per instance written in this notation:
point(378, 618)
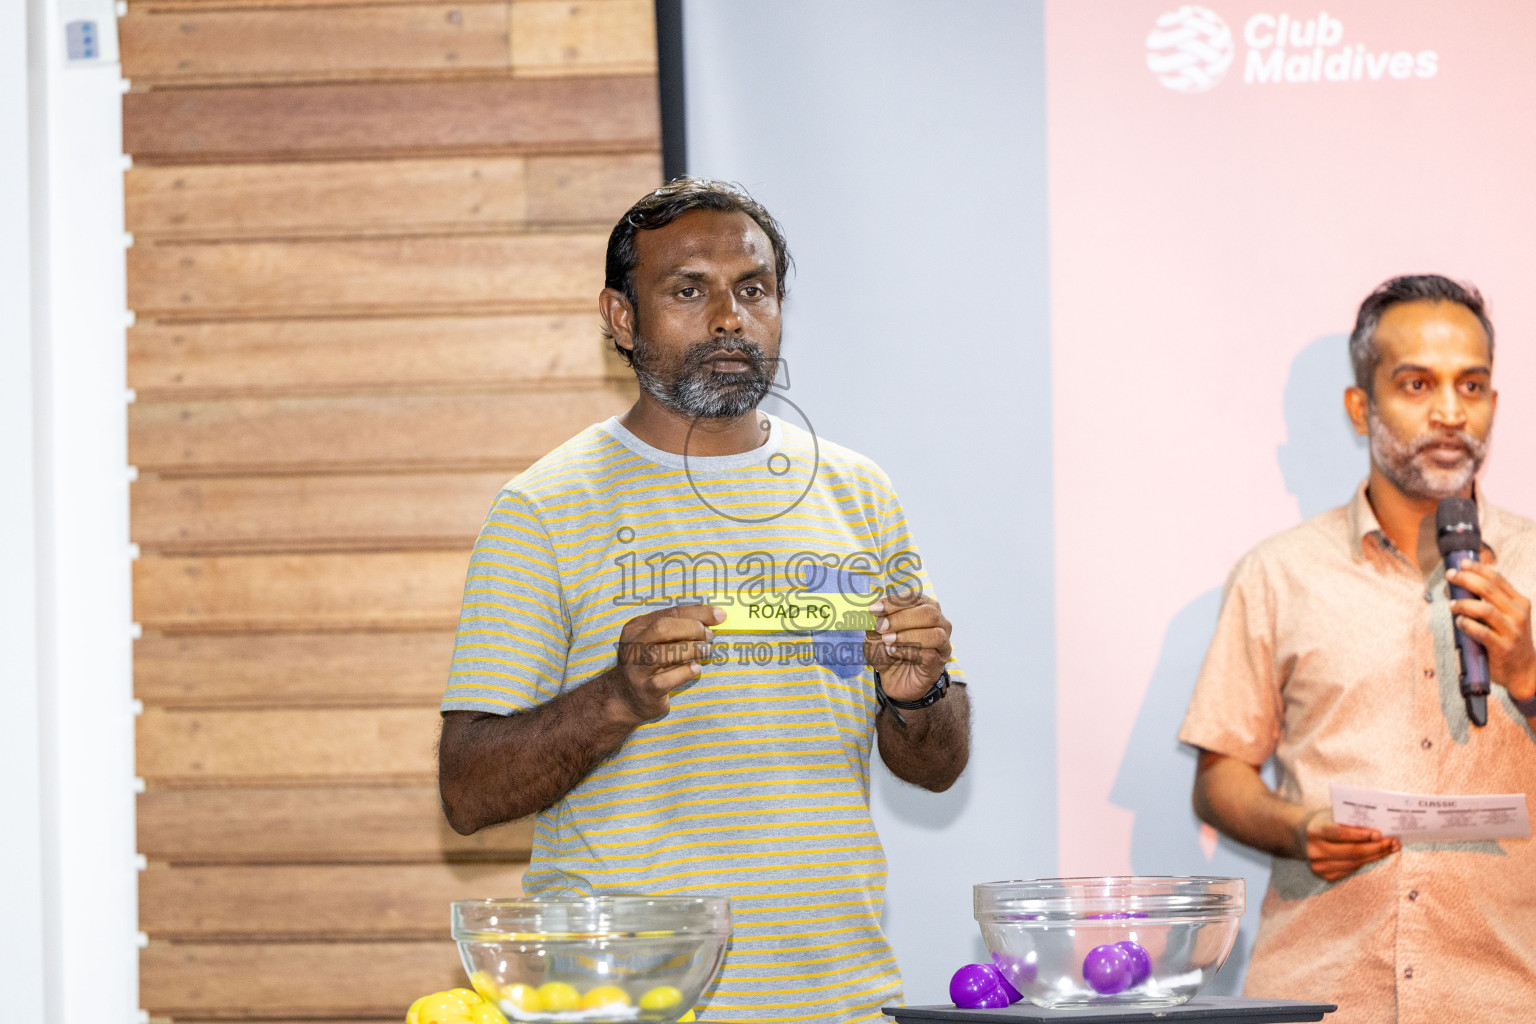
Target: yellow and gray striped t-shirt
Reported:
point(756, 783)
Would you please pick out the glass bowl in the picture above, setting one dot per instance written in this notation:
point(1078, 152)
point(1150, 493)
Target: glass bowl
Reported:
point(597, 959)
point(1139, 940)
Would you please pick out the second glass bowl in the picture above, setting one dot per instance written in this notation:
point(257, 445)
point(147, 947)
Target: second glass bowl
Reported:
point(1138, 940)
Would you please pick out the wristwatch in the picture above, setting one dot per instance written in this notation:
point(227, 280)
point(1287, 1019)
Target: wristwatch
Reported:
point(935, 694)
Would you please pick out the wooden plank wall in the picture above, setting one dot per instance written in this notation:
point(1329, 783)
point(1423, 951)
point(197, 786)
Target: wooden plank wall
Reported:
point(367, 244)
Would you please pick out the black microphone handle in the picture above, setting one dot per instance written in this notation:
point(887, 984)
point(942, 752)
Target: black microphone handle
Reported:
point(1470, 653)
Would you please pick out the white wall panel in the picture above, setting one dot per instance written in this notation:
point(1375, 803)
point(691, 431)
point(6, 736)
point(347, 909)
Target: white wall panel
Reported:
point(901, 144)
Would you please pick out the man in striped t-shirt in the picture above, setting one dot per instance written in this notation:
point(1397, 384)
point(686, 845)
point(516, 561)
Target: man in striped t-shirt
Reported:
point(588, 683)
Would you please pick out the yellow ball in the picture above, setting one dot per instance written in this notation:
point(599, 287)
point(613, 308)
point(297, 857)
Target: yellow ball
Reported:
point(485, 1013)
point(557, 997)
point(524, 997)
point(662, 997)
point(446, 1007)
point(604, 996)
point(410, 1015)
point(485, 985)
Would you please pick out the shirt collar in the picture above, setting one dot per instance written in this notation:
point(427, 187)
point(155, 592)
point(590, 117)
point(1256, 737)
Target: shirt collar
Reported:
point(1363, 522)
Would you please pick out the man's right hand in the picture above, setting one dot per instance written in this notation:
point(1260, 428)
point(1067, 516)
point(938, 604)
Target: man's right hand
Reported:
point(658, 652)
point(494, 767)
point(1334, 851)
point(1231, 795)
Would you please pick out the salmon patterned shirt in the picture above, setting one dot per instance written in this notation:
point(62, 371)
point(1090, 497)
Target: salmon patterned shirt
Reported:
point(1335, 655)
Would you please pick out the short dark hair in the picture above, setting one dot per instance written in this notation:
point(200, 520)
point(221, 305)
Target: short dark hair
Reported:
point(659, 208)
point(1365, 356)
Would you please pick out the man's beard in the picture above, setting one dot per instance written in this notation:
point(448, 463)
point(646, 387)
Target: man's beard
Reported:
point(1408, 465)
point(688, 385)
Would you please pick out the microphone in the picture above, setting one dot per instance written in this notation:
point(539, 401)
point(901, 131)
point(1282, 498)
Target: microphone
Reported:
point(1460, 542)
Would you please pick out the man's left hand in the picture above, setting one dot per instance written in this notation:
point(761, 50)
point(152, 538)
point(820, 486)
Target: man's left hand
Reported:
point(909, 645)
point(1499, 618)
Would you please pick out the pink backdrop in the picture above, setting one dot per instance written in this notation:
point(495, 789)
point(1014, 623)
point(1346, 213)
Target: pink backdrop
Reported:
point(1199, 242)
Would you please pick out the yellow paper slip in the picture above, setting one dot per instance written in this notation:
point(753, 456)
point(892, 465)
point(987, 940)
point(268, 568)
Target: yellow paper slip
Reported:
point(794, 612)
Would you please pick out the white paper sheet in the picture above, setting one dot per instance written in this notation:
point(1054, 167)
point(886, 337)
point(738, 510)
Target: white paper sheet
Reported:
point(1432, 817)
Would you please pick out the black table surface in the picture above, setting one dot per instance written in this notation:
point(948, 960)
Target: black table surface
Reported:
point(1204, 1009)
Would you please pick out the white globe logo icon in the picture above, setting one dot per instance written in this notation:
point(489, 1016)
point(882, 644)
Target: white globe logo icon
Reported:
point(1189, 49)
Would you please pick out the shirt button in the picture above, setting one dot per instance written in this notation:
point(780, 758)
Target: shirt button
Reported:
point(1426, 743)
point(1429, 673)
point(1413, 894)
point(1407, 972)
point(1429, 598)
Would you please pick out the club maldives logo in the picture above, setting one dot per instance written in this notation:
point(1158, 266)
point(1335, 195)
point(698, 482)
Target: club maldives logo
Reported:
point(1190, 50)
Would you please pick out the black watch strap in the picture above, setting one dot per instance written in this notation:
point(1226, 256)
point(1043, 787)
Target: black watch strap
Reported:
point(1525, 707)
point(935, 694)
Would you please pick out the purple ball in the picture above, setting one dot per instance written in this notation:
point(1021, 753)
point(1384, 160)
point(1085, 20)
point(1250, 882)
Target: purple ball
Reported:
point(978, 987)
point(1141, 963)
point(1011, 969)
point(1009, 992)
point(1107, 969)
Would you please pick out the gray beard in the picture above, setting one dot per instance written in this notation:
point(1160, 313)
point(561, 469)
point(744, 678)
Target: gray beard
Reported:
point(1406, 465)
point(688, 386)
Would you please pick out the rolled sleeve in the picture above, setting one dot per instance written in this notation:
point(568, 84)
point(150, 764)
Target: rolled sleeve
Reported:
point(1236, 706)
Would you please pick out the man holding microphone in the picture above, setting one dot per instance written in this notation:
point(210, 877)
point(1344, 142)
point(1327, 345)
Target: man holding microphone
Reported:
point(1335, 655)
